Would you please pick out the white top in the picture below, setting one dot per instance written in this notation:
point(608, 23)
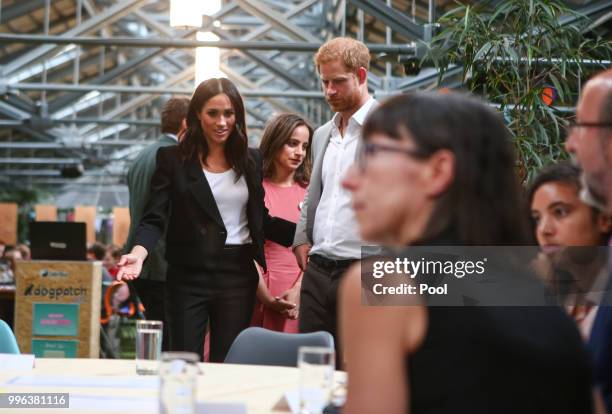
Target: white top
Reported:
point(335, 233)
point(231, 198)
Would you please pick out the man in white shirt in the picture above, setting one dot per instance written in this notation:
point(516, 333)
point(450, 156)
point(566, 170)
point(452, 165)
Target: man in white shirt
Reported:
point(327, 239)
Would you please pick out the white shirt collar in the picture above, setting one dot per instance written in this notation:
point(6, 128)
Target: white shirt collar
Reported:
point(358, 116)
point(173, 136)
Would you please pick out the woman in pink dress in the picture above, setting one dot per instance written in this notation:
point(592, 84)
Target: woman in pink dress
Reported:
point(285, 147)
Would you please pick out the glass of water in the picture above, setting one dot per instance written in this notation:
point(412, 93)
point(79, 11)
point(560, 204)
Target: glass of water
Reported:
point(316, 365)
point(178, 374)
point(148, 346)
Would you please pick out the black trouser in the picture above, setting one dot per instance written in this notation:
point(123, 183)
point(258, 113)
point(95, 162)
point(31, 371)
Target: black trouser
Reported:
point(223, 296)
point(319, 297)
point(151, 294)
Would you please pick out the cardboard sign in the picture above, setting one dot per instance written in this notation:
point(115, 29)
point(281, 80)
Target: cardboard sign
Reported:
point(58, 303)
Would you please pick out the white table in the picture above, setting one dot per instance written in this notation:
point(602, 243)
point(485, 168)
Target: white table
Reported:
point(258, 387)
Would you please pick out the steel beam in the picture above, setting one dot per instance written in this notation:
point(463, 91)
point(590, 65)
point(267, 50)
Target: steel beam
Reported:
point(593, 8)
point(267, 63)
point(299, 8)
point(108, 16)
point(245, 82)
point(158, 90)
point(397, 21)
point(16, 160)
point(20, 8)
point(113, 185)
point(116, 72)
point(82, 120)
point(276, 19)
point(403, 49)
point(59, 145)
point(55, 173)
point(10, 123)
point(144, 98)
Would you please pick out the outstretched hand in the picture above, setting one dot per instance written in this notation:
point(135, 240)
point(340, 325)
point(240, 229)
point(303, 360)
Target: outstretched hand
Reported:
point(130, 266)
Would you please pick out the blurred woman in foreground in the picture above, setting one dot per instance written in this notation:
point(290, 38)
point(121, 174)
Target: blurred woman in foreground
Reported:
point(439, 170)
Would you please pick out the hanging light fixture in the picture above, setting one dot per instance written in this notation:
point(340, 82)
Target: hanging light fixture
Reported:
point(208, 58)
point(185, 13)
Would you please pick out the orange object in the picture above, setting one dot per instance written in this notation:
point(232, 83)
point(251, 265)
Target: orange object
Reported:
point(548, 95)
point(108, 307)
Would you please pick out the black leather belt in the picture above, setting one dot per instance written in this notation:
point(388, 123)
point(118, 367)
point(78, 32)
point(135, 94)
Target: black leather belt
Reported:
point(330, 264)
point(235, 247)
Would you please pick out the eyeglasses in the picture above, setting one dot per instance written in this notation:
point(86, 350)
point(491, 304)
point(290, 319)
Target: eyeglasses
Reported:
point(369, 149)
point(573, 125)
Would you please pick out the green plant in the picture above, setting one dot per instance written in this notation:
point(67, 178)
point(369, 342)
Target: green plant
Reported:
point(513, 53)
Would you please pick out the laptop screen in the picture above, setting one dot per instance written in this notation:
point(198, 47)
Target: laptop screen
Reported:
point(52, 240)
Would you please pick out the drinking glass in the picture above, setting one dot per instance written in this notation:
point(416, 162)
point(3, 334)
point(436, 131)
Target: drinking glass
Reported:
point(148, 346)
point(178, 373)
point(316, 365)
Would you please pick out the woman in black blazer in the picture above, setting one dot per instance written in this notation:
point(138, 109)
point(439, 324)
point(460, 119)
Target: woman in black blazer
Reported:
point(207, 196)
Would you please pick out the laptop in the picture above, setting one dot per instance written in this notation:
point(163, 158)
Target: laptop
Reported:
point(51, 240)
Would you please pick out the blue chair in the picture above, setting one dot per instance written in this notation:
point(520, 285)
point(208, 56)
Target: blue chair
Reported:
point(259, 346)
point(8, 343)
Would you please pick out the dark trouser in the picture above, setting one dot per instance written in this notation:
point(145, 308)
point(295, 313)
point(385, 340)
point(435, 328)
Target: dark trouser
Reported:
point(151, 294)
point(224, 296)
point(319, 297)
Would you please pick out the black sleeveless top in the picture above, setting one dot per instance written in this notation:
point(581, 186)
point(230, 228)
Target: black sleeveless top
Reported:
point(497, 360)
point(500, 360)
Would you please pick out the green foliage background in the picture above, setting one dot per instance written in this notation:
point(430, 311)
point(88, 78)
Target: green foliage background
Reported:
point(509, 53)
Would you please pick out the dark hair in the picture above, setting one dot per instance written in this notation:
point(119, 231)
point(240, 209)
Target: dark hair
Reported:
point(565, 173)
point(276, 134)
point(194, 143)
point(482, 204)
point(115, 251)
point(173, 113)
point(562, 172)
point(98, 250)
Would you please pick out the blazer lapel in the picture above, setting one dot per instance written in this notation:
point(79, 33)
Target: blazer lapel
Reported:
point(198, 185)
point(315, 188)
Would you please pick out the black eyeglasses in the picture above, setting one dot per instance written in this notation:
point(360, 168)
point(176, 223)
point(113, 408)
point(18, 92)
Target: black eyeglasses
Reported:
point(369, 149)
point(571, 125)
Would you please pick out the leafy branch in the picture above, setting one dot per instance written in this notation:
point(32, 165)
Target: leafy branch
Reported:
point(512, 54)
